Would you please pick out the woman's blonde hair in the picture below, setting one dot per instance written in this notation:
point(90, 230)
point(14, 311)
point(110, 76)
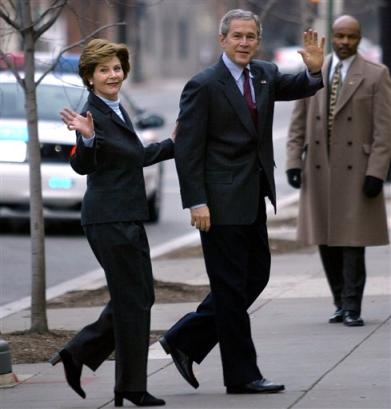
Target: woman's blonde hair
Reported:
point(98, 51)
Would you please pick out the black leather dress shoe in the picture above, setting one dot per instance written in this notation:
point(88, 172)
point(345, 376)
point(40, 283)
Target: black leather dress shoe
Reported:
point(337, 316)
point(182, 362)
point(352, 319)
point(72, 370)
point(257, 386)
point(137, 398)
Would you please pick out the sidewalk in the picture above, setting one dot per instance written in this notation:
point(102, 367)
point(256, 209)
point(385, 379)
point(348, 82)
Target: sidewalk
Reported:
point(321, 365)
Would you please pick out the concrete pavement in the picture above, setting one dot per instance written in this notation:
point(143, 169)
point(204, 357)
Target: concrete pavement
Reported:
point(322, 365)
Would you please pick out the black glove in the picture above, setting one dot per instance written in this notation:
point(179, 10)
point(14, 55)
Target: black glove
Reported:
point(372, 186)
point(294, 177)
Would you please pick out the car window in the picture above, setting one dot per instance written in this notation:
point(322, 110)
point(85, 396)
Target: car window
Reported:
point(51, 99)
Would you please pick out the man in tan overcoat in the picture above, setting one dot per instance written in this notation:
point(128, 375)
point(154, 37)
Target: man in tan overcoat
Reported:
point(338, 153)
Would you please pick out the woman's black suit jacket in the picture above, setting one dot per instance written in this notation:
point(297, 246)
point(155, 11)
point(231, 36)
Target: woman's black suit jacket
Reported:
point(113, 207)
point(114, 165)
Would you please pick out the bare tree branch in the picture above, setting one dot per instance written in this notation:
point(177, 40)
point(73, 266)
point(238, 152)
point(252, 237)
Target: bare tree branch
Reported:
point(12, 68)
point(12, 5)
point(69, 47)
point(50, 9)
point(8, 20)
point(55, 11)
point(6, 32)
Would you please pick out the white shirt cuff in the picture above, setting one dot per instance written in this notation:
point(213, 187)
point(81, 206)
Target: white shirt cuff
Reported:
point(89, 142)
point(198, 205)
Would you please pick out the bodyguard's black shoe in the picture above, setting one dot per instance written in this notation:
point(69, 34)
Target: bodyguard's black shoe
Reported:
point(137, 398)
point(337, 316)
point(182, 362)
point(257, 386)
point(72, 370)
point(352, 319)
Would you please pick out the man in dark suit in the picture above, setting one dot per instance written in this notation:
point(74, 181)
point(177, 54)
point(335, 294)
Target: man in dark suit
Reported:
point(224, 158)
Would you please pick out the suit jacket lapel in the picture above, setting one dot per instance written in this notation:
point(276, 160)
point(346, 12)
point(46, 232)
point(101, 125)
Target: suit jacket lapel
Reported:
point(93, 99)
point(323, 94)
point(126, 117)
point(235, 97)
point(353, 79)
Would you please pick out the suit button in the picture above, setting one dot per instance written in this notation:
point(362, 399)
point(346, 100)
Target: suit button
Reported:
point(317, 166)
point(318, 117)
point(349, 118)
point(317, 142)
point(350, 167)
point(350, 143)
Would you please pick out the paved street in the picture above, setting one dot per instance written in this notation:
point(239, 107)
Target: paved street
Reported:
point(322, 365)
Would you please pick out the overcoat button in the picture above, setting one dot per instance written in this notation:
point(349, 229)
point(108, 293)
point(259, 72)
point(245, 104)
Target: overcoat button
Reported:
point(318, 117)
point(317, 166)
point(350, 143)
point(317, 142)
point(350, 167)
point(349, 118)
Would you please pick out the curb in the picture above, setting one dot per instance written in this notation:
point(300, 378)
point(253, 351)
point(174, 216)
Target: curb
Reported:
point(8, 380)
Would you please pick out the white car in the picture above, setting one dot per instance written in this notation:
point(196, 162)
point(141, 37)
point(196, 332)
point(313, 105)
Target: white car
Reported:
point(62, 188)
point(289, 61)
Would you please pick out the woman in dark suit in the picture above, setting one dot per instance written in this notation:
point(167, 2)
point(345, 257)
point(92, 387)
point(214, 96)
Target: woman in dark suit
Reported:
point(111, 155)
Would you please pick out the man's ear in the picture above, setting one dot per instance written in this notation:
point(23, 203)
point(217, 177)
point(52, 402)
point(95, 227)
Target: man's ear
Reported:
point(222, 40)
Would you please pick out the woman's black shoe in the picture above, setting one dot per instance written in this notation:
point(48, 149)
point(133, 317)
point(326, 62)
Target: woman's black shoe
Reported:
point(72, 370)
point(138, 398)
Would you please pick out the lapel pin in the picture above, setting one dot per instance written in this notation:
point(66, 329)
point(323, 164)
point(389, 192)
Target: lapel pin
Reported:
point(263, 82)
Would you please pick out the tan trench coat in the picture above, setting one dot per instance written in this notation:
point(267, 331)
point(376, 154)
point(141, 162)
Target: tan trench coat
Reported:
point(333, 208)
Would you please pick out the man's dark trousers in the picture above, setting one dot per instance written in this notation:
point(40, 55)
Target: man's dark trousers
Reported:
point(346, 274)
point(237, 261)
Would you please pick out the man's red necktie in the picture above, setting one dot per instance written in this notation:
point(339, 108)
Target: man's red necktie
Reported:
point(247, 95)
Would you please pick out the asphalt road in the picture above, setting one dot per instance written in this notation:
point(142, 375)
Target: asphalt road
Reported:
point(67, 252)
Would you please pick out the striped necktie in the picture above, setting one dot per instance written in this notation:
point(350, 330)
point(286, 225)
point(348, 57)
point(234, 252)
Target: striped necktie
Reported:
point(334, 88)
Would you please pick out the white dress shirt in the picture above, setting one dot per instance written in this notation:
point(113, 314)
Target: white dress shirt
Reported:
point(237, 72)
point(345, 66)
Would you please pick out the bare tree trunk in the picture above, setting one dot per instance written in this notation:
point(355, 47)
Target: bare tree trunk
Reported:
point(38, 298)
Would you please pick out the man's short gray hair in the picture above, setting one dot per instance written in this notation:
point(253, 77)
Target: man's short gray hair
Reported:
point(238, 14)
